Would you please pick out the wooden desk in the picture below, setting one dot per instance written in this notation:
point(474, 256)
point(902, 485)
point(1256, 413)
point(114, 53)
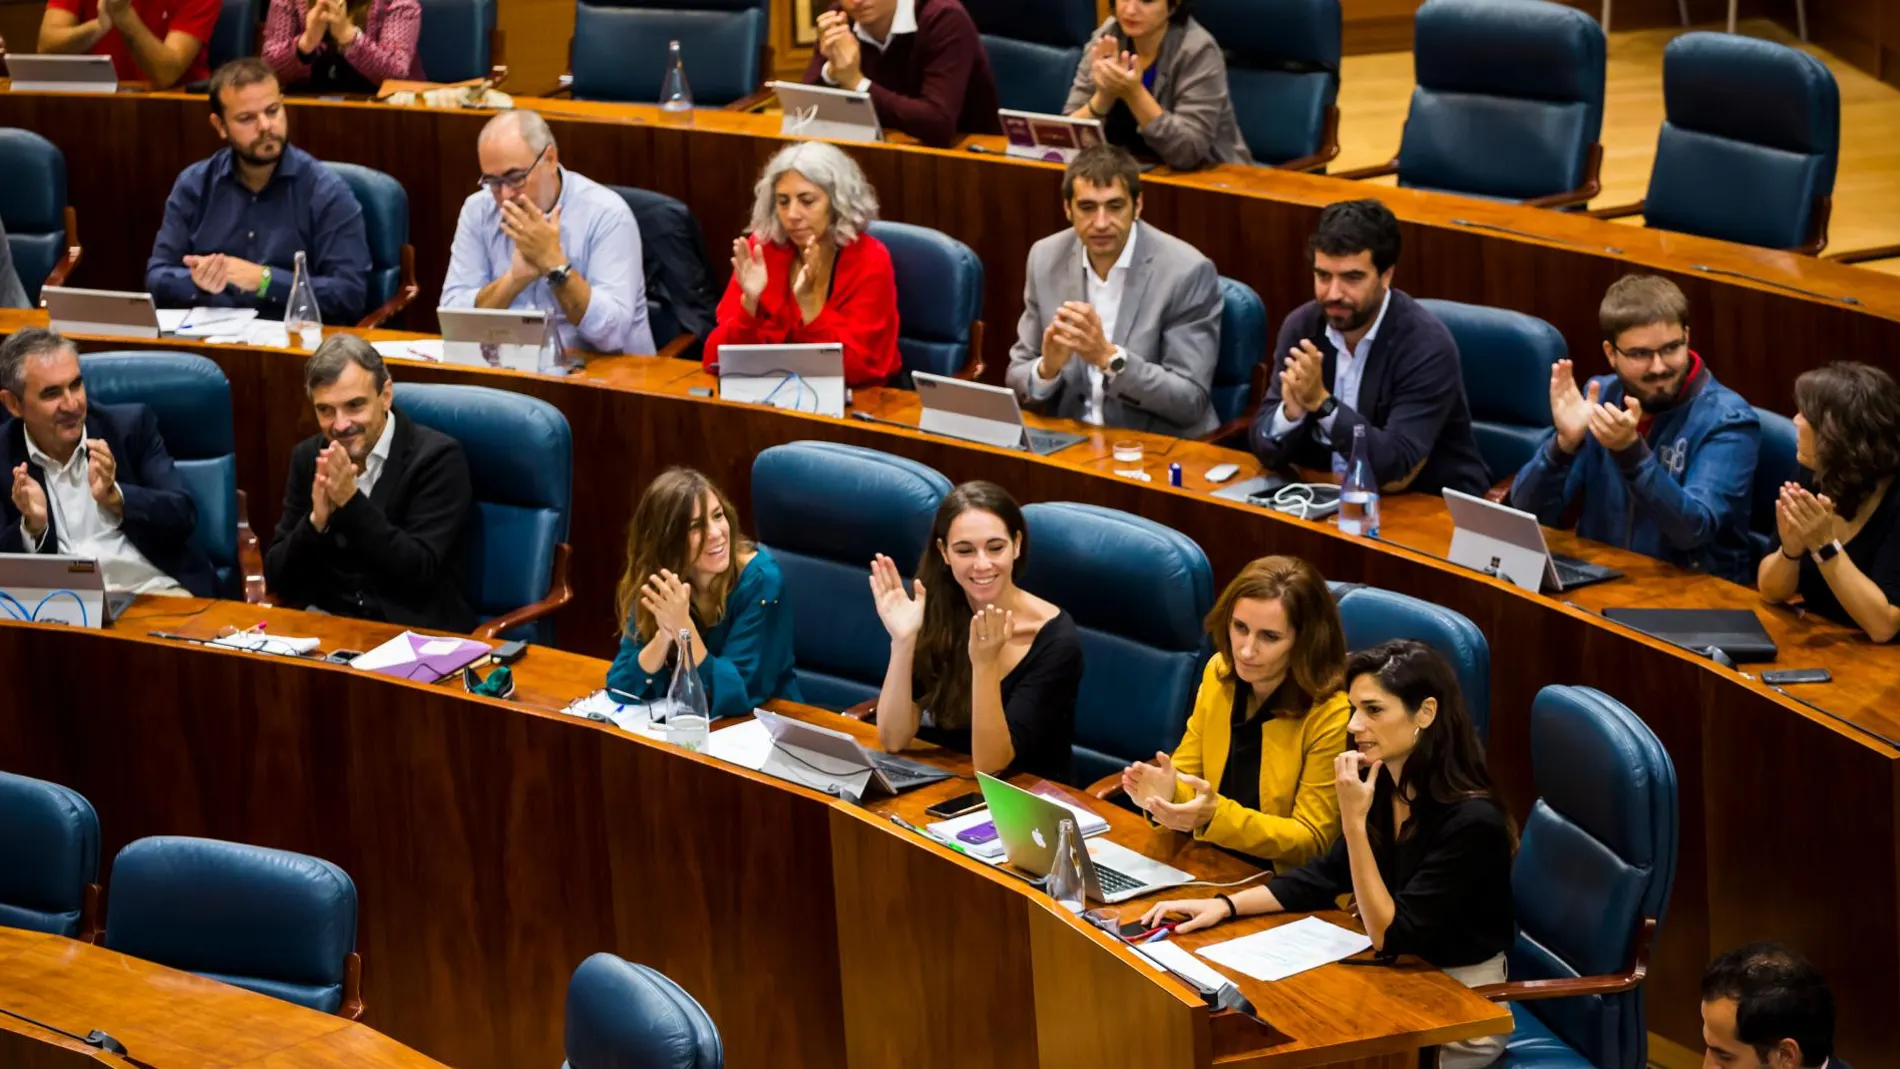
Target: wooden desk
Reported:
point(165, 1018)
point(495, 845)
point(1752, 319)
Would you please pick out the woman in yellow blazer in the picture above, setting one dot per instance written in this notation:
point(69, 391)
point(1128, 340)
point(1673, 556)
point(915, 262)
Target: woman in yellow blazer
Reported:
point(1254, 772)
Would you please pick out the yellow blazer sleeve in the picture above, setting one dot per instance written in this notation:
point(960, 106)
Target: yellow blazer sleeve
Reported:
point(1312, 826)
point(1212, 705)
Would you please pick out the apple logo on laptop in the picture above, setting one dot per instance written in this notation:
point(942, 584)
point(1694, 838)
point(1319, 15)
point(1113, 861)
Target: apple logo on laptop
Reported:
point(1035, 835)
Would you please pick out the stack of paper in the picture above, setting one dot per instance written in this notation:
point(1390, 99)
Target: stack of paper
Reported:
point(746, 744)
point(429, 349)
point(204, 322)
point(1278, 953)
point(423, 658)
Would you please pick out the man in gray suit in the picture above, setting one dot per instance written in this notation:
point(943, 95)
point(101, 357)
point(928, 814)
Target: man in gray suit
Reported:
point(1121, 322)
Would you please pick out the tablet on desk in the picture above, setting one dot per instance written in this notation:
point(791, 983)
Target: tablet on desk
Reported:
point(826, 111)
point(77, 311)
point(497, 337)
point(1056, 138)
point(802, 378)
point(62, 74)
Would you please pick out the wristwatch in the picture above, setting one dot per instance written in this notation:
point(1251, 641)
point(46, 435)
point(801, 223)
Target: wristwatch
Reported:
point(1117, 361)
point(1326, 407)
point(1828, 552)
point(560, 275)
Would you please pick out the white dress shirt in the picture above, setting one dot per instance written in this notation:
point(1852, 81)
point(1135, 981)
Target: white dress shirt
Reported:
point(378, 456)
point(1349, 366)
point(1105, 296)
point(904, 21)
point(85, 529)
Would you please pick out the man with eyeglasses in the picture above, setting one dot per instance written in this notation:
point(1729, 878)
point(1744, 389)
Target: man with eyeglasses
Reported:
point(1660, 454)
point(536, 235)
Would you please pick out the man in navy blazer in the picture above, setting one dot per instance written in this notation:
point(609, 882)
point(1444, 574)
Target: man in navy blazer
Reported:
point(92, 481)
point(1364, 354)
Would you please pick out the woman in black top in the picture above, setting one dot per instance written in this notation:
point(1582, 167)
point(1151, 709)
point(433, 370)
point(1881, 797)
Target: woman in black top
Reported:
point(977, 663)
point(1840, 549)
point(1428, 859)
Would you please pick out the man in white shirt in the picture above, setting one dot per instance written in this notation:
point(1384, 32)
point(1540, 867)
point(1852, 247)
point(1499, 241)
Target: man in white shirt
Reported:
point(92, 481)
point(1121, 322)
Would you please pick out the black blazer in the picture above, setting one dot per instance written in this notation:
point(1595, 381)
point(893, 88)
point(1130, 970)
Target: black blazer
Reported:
point(1411, 400)
point(394, 555)
point(160, 515)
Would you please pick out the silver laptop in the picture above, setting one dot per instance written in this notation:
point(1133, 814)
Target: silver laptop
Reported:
point(496, 337)
point(77, 311)
point(1509, 543)
point(826, 111)
point(834, 762)
point(1056, 138)
point(802, 378)
point(53, 588)
point(62, 74)
point(979, 412)
point(1029, 826)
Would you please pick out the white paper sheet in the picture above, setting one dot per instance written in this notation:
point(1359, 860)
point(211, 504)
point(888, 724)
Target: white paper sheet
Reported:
point(746, 745)
point(439, 646)
point(204, 322)
point(396, 651)
point(1288, 950)
point(429, 349)
point(1176, 959)
point(259, 642)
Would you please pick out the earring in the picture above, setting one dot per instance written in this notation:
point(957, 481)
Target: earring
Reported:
point(1415, 732)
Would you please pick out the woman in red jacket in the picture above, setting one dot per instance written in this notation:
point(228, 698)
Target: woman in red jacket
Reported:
point(807, 272)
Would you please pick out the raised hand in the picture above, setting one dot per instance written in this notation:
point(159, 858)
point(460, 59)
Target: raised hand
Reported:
point(1355, 794)
point(1144, 782)
point(1054, 353)
point(990, 630)
point(748, 266)
point(316, 22)
point(1079, 327)
point(208, 273)
point(902, 612)
point(30, 498)
point(807, 290)
point(1302, 384)
point(1807, 516)
point(1615, 428)
point(1189, 816)
point(537, 237)
point(1570, 410)
point(102, 475)
point(670, 600)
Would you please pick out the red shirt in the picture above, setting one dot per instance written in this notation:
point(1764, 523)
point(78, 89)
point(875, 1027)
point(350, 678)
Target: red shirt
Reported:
point(195, 17)
point(860, 313)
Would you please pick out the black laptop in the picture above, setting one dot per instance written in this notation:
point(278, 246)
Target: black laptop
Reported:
point(1736, 632)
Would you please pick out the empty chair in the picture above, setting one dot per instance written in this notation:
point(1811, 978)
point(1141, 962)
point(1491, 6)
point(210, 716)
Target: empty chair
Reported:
point(825, 510)
point(1371, 616)
point(620, 48)
point(621, 1016)
point(939, 300)
point(1240, 368)
point(680, 294)
point(1505, 357)
point(1591, 880)
point(1282, 74)
point(1034, 48)
point(1139, 592)
point(49, 857)
point(235, 35)
point(1774, 464)
point(461, 41)
point(278, 923)
point(392, 260)
point(42, 230)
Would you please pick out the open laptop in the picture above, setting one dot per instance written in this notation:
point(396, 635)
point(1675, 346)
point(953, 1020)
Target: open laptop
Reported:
point(1056, 138)
point(834, 762)
point(1508, 543)
point(1736, 632)
point(1029, 826)
point(120, 312)
point(978, 412)
point(497, 337)
point(801, 378)
point(61, 74)
point(826, 111)
point(51, 588)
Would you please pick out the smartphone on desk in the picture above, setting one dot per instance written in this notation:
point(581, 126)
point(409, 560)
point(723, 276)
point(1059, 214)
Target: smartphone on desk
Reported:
point(977, 836)
point(956, 807)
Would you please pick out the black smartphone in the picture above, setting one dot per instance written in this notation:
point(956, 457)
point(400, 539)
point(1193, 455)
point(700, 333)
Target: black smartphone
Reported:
point(956, 807)
point(342, 656)
point(509, 652)
point(1783, 676)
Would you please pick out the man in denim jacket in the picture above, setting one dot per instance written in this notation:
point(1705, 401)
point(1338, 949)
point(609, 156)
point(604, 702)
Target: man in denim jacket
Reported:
point(1661, 455)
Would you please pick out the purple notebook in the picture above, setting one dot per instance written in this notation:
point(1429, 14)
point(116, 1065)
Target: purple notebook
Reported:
point(423, 658)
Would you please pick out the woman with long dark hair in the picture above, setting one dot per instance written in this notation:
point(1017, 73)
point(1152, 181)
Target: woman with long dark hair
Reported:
point(1840, 529)
point(1425, 849)
point(977, 663)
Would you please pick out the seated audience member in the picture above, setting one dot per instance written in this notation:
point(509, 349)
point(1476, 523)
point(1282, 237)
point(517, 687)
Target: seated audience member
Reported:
point(93, 480)
point(690, 569)
point(1361, 353)
point(921, 61)
point(1765, 1007)
point(1156, 79)
point(330, 46)
point(375, 506)
point(1268, 723)
point(1425, 848)
point(235, 222)
point(157, 41)
point(1661, 454)
point(1840, 529)
point(1081, 352)
point(977, 663)
point(537, 235)
point(12, 293)
point(807, 271)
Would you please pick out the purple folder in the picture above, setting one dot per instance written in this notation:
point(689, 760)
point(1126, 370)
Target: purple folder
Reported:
point(423, 658)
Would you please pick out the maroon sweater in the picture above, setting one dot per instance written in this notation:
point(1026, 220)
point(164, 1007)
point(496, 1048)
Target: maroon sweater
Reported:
point(933, 84)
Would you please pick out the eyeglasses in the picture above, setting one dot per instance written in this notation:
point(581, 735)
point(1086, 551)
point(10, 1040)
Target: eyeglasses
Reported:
point(513, 179)
point(1667, 351)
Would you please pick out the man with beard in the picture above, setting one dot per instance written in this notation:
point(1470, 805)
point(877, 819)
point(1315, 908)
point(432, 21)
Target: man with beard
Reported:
point(1362, 354)
point(375, 506)
point(235, 222)
point(1661, 455)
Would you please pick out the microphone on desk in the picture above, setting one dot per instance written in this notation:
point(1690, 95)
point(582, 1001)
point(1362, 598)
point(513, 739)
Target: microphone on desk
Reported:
point(95, 1038)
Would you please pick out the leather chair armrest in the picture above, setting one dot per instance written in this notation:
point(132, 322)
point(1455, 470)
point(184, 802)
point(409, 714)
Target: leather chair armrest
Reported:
point(351, 1008)
point(250, 554)
point(560, 592)
point(1592, 185)
point(1328, 147)
point(1501, 493)
point(70, 258)
point(404, 293)
point(973, 366)
point(678, 345)
point(1861, 256)
point(1532, 990)
point(1621, 211)
point(497, 57)
point(865, 710)
point(1817, 227)
point(753, 101)
point(1106, 788)
point(91, 929)
point(563, 88)
point(1390, 166)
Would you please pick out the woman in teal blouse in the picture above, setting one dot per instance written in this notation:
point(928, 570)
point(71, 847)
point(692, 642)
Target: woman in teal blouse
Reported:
point(689, 569)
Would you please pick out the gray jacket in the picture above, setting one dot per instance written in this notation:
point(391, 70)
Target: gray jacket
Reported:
point(12, 294)
point(1169, 327)
point(1197, 127)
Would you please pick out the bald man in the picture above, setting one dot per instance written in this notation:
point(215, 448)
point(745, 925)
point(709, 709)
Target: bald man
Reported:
point(537, 235)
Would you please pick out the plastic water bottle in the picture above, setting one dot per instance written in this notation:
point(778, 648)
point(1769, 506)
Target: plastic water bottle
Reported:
point(303, 323)
point(676, 95)
point(1359, 493)
point(688, 719)
point(1065, 873)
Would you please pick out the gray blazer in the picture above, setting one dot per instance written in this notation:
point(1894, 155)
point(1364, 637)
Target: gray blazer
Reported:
point(1169, 327)
point(1197, 127)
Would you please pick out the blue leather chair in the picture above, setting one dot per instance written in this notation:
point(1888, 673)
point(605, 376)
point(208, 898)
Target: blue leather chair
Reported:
point(392, 260)
point(235, 35)
point(462, 41)
point(1774, 465)
point(1592, 878)
point(1283, 76)
point(49, 857)
point(271, 921)
point(42, 230)
point(1509, 103)
point(1750, 138)
point(1142, 649)
point(521, 460)
point(939, 300)
point(622, 1015)
point(1371, 616)
point(620, 48)
point(1034, 48)
point(1240, 368)
point(825, 510)
point(191, 399)
point(1506, 358)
